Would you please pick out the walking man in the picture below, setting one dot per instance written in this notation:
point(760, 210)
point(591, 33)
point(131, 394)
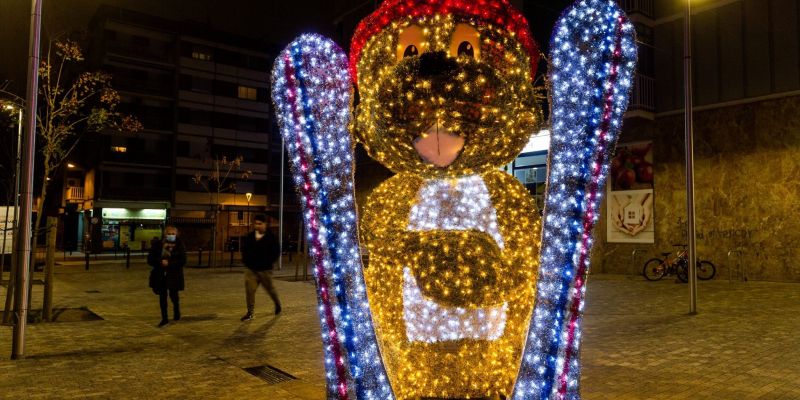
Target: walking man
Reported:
point(260, 249)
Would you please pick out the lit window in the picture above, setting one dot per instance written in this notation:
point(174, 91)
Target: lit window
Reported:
point(248, 93)
point(119, 149)
point(201, 55)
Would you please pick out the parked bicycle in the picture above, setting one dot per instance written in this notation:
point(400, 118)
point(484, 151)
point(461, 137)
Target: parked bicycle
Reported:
point(656, 268)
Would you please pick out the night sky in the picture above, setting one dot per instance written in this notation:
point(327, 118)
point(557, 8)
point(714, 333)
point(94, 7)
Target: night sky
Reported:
point(274, 21)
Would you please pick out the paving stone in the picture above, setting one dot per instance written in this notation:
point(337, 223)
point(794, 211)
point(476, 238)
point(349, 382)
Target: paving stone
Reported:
point(639, 342)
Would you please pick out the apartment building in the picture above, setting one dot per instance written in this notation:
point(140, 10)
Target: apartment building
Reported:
point(203, 98)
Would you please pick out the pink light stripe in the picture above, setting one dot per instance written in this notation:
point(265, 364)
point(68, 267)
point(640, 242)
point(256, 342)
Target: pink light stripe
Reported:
point(588, 219)
point(341, 373)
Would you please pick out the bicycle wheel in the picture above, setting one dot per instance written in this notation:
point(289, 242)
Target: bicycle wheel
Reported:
point(682, 270)
point(705, 270)
point(654, 269)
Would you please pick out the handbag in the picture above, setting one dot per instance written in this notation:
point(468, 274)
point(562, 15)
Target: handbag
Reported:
point(156, 280)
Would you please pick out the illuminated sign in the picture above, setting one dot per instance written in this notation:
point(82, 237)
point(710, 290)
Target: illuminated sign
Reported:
point(127, 213)
point(539, 141)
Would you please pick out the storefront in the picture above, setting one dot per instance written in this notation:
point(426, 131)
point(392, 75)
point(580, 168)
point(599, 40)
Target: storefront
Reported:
point(118, 228)
point(530, 167)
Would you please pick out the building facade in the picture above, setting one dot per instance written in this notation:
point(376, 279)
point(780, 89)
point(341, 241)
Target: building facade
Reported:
point(209, 155)
point(746, 77)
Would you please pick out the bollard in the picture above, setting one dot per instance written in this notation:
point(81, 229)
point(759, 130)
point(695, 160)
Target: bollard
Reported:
point(128, 258)
point(740, 268)
point(86, 257)
point(636, 268)
point(199, 256)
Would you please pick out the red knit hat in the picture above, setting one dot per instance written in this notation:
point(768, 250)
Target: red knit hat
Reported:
point(496, 12)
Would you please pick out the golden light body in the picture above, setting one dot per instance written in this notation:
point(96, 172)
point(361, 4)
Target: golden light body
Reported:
point(485, 97)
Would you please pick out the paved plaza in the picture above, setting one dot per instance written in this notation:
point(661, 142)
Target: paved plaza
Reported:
point(639, 342)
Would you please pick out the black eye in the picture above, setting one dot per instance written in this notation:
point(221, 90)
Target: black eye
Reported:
point(411, 51)
point(465, 49)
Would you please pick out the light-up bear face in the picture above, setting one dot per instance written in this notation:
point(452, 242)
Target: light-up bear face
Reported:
point(444, 95)
point(445, 98)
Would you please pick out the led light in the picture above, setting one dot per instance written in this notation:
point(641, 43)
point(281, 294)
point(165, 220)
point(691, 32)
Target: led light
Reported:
point(452, 241)
point(453, 244)
point(593, 58)
point(312, 95)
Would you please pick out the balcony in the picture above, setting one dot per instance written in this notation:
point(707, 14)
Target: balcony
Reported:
point(136, 193)
point(643, 94)
point(644, 7)
point(74, 194)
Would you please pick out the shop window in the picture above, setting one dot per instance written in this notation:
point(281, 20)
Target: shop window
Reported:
point(531, 170)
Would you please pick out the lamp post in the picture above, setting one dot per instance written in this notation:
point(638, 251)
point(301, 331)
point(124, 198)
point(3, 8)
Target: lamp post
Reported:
point(280, 211)
point(20, 116)
point(248, 196)
point(687, 100)
point(14, 223)
point(23, 243)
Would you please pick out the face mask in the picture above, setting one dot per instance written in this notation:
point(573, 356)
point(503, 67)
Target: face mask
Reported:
point(170, 238)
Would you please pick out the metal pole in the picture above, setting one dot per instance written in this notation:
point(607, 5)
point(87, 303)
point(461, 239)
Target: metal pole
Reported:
point(14, 223)
point(280, 220)
point(23, 244)
point(690, 222)
point(3, 253)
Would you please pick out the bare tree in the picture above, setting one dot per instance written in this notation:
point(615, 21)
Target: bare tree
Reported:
point(218, 180)
point(72, 104)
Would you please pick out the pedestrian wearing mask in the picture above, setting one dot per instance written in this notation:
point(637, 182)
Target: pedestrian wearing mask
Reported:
point(167, 257)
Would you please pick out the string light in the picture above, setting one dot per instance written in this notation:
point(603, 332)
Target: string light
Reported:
point(312, 95)
point(446, 99)
point(452, 241)
point(593, 57)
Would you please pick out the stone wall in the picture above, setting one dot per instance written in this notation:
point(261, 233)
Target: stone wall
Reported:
point(747, 191)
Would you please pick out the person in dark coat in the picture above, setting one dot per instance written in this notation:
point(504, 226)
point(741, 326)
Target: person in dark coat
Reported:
point(260, 249)
point(167, 257)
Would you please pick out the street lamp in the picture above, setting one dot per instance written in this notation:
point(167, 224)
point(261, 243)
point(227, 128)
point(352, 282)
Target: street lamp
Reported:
point(248, 195)
point(22, 245)
point(11, 108)
point(687, 100)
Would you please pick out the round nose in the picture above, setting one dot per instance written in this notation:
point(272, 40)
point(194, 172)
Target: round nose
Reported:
point(436, 63)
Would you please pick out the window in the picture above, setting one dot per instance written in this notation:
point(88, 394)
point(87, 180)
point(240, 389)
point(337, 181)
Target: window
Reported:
point(183, 148)
point(258, 63)
point(202, 85)
point(119, 149)
point(202, 53)
point(531, 170)
point(227, 89)
point(248, 93)
point(140, 41)
point(229, 58)
point(194, 117)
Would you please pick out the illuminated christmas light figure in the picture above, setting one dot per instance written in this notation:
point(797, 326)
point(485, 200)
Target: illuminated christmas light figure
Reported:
point(445, 308)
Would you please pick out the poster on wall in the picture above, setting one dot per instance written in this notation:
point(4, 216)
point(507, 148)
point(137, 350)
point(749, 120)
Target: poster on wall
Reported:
point(6, 231)
point(630, 198)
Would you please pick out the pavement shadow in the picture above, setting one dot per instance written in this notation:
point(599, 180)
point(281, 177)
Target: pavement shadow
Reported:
point(248, 332)
point(199, 317)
